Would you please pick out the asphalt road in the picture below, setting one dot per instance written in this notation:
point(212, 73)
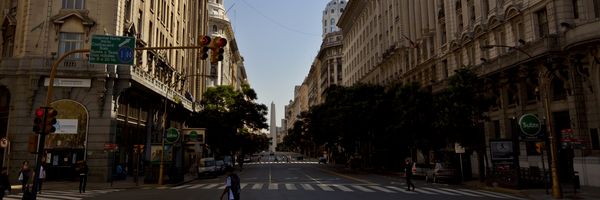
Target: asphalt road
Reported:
point(307, 181)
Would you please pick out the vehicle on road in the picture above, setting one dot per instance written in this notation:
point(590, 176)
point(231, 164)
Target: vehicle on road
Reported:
point(420, 169)
point(322, 160)
point(441, 172)
point(219, 167)
point(206, 167)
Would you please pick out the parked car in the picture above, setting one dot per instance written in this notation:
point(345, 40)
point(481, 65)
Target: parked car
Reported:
point(420, 169)
point(322, 160)
point(441, 172)
point(206, 167)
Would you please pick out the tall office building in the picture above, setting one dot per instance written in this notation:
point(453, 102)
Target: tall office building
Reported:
point(100, 106)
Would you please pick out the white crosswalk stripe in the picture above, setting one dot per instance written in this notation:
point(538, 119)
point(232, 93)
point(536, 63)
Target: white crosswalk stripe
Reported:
point(257, 186)
point(401, 190)
point(62, 195)
point(273, 186)
point(290, 186)
point(325, 187)
point(381, 189)
point(361, 188)
point(460, 192)
point(307, 186)
point(440, 191)
point(343, 188)
point(293, 162)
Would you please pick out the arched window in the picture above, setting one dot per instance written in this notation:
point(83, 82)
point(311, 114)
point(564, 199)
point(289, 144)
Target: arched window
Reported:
point(332, 22)
point(215, 29)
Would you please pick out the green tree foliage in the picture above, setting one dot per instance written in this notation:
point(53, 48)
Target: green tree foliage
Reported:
point(226, 111)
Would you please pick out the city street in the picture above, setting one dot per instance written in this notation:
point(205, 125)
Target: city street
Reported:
point(303, 180)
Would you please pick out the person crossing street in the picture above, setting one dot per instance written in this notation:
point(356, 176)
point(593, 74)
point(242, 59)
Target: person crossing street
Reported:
point(408, 174)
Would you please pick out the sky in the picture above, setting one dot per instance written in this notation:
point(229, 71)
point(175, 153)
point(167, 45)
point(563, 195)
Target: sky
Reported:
point(279, 40)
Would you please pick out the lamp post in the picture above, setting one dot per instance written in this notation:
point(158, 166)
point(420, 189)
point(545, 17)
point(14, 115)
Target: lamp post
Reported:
point(544, 77)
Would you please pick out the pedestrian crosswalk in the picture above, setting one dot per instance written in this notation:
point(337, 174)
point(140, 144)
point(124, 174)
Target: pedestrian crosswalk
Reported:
point(368, 188)
point(62, 195)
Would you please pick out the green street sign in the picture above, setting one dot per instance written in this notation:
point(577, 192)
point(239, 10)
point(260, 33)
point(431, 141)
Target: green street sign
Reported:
point(108, 49)
point(530, 125)
point(193, 135)
point(172, 135)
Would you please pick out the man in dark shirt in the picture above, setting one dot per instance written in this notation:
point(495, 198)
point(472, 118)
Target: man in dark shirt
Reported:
point(408, 174)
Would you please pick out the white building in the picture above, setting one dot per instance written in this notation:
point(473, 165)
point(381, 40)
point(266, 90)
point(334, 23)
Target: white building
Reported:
point(331, 14)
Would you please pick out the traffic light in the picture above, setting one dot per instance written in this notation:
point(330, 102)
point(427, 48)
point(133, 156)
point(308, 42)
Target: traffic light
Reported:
point(38, 121)
point(204, 42)
point(217, 50)
point(50, 121)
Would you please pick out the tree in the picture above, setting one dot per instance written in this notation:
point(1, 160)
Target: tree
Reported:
point(226, 111)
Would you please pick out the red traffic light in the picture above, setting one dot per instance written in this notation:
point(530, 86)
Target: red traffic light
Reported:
point(204, 40)
point(221, 42)
point(40, 112)
point(38, 120)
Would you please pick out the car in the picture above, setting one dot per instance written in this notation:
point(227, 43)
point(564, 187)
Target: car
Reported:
point(322, 160)
point(206, 167)
point(420, 169)
point(246, 159)
point(220, 167)
point(441, 172)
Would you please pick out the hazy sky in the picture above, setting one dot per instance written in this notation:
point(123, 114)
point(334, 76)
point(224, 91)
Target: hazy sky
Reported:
point(279, 40)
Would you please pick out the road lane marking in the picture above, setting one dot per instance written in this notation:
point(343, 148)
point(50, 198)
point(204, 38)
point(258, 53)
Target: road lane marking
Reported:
point(404, 190)
point(273, 186)
point(423, 191)
point(460, 192)
point(343, 188)
point(257, 186)
point(381, 188)
point(197, 186)
point(242, 185)
point(440, 191)
point(212, 185)
point(361, 188)
point(57, 196)
point(222, 186)
point(325, 187)
point(290, 186)
point(307, 186)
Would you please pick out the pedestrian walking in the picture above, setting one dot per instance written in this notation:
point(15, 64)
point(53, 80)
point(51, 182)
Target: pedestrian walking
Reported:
point(408, 174)
point(24, 174)
point(232, 187)
point(42, 177)
point(82, 169)
point(4, 183)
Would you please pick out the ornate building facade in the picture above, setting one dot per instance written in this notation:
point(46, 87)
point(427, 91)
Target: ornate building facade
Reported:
point(526, 51)
point(107, 105)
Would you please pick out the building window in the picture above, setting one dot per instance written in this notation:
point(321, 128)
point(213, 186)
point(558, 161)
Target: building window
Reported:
point(542, 22)
point(73, 4)
point(69, 42)
point(575, 9)
point(332, 22)
point(597, 8)
point(497, 134)
point(215, 29)
point(595, 140)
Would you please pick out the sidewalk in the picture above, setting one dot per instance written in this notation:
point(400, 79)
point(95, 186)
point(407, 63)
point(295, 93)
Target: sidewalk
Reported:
point(120, 184)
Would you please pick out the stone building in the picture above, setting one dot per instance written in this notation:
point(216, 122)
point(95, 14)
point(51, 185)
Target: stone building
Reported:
point(526, 51)
point(331, 15)
point(103, 104)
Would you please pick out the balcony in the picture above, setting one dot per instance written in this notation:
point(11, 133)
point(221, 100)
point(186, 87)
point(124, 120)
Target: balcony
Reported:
point(146, 79)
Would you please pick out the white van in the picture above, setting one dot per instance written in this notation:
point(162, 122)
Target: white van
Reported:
point(206, 167)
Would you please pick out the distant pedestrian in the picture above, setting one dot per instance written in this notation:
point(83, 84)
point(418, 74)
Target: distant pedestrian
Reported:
point(42, 177)
point(241, 162)
point(232, 187)
point(82, 169)
point(24, 175)
point(408, 174)
point(4, 183)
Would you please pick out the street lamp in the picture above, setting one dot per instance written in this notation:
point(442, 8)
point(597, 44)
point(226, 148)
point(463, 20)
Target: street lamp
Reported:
point(544, 77)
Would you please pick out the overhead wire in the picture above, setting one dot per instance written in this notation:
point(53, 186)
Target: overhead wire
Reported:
point(278, 23)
